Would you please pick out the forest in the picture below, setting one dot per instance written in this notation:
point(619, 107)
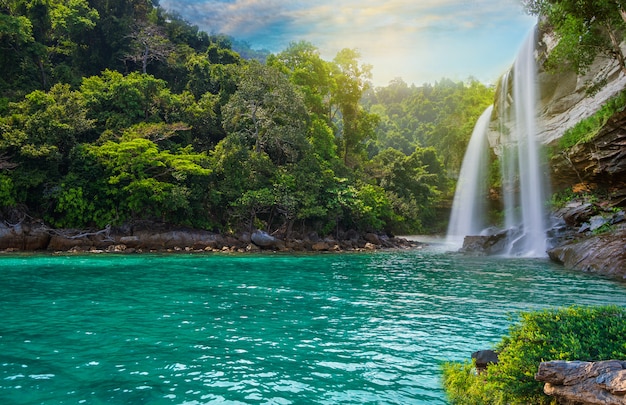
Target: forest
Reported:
point(114, 111)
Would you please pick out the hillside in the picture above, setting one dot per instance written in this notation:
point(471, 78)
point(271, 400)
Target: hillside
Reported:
point(113, 113)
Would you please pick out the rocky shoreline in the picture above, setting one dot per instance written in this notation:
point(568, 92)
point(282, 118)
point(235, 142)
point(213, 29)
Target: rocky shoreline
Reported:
point(586, 235)
point(150, 237)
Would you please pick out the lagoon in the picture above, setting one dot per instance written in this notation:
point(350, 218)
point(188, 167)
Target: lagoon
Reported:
point(350, 328)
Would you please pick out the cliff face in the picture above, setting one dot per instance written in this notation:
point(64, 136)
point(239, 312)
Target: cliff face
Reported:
point(565, 98)
point(596, 165)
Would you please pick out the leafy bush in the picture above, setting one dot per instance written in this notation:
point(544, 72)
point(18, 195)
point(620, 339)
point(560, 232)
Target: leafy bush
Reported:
point(575, 333)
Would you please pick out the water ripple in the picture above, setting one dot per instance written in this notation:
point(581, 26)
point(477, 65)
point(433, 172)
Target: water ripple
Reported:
point(353, 329)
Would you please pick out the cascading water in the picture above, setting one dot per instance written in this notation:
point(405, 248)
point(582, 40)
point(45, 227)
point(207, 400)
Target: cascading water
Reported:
point(469, 207)
point(532, 184)
point(524, 188)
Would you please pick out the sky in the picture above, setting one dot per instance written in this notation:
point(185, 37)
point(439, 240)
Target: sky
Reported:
point(419, 41)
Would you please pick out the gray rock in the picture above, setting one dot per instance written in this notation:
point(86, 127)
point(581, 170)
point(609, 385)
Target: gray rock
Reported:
point(372, 238)
point(618, 217)
point(597, 221)
point(485, 244)
point(483, 358)
point(584, 383)
point(577, 215)
point(263, 239)
point(604, 253)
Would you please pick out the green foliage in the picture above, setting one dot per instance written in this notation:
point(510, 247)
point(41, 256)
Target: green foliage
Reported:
point(116, 101)
point(575, 333)
point(440, 115)
point(7, 198)
point(561, 199)
point(131, 179)
point(73, 207)
point(586, 29)
point(268, 111)
point(203, 137)
point(463, 386)
point(587, 129)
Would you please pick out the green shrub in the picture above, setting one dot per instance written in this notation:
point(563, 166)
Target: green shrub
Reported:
point(575, 333)
point(588, 128)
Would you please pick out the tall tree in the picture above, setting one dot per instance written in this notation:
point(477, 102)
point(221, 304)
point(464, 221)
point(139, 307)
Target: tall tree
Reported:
point(149, 43)
point(357, 125)
point(267, 109)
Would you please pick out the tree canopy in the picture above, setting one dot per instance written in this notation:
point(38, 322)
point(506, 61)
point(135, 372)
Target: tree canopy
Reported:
point(586, 29)
point(116, 111)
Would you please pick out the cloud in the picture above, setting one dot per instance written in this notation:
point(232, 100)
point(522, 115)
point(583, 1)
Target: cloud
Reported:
point(436, 36)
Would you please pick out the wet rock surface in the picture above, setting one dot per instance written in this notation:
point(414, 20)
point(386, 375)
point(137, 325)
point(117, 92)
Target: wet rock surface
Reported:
point(485, 245)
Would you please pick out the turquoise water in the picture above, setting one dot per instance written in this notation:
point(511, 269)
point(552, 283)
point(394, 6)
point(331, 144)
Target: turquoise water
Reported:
point(261, 329)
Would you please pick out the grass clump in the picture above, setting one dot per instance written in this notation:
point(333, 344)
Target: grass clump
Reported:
point(574, 333)
point(588, 128)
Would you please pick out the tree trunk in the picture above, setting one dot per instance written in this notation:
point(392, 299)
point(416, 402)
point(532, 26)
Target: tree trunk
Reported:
point(616, 46)
point(42, 71)
point(144, 60)
point(257, 135)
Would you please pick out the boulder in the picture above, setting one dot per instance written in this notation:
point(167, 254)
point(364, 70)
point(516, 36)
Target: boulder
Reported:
point(351, 235)
point(482, 359)
point(161, 238)
point(132, 241)
point(23, 236)
point(485, 244)
point(372, 238)
point(598, 221)
point(584, 383)
point(320, 246)
point(576, 214)
point(604, 253)
point(262, 239)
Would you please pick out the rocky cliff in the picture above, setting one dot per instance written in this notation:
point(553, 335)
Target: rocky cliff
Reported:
point(565, 98)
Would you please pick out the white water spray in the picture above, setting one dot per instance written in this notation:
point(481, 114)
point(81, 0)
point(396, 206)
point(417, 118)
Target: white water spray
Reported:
point(532, 184)
point(470, 199)
point(524, 187)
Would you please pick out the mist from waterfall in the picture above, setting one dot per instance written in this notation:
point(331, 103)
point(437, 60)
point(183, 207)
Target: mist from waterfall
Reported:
point(469, 209)
point(524, 187)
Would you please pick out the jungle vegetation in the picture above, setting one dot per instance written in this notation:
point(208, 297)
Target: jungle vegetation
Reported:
point(116, 111)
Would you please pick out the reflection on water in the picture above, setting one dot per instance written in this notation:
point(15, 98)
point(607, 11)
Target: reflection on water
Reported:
point(349, 328)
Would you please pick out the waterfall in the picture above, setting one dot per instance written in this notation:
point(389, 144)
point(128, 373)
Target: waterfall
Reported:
point(528, 160)
point(524, 187)
point(469, 207)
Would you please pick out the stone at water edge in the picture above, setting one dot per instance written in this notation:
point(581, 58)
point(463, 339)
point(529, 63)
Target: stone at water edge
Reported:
point(584, 383)
point(603, 254)
point(264, 239)
point(485, 244)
